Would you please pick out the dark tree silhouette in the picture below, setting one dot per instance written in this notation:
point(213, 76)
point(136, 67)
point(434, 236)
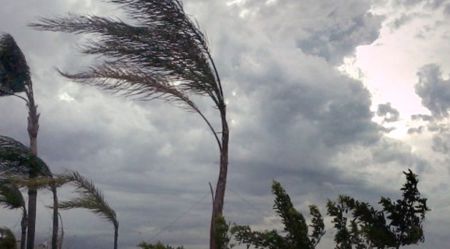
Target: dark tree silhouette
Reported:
point(11, 198)
point(397, 224)
point(14, 78)
point(163, 55)
point(295, 227)
point(7, 239)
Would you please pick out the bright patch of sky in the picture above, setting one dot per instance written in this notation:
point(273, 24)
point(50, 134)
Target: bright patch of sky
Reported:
point(410, 38)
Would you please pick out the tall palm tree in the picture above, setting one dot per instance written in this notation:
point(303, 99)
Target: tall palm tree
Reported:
point(162, 55)
point(14, 78)
point(92, 199)
point(11, 198)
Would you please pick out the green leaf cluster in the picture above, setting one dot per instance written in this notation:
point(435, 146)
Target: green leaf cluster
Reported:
point(297, 234)
point(159, 245)
point(398, 223)
point(18, 159)
point(7, 239)
point(14, 71)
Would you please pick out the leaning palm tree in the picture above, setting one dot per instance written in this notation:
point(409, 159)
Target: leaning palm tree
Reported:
point(92, 199)
point(163, 55)
point(12, 198)
point(16, 159)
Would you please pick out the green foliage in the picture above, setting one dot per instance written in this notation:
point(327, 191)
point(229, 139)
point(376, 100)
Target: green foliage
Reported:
point(222, 235)
point(399, 223)
point(159, 245)
point(18, 159)
point(295, 227)
point(10, 195)
point(7, 239)
point(14, 71)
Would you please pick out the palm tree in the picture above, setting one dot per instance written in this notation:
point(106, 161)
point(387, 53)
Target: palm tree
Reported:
point(162, 55)
point(11, 198)
point(14, 78)
point(92, 199)
point(17, 159)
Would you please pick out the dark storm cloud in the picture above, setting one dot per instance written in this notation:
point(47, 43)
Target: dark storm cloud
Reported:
point(434, 90)
point(388, 113)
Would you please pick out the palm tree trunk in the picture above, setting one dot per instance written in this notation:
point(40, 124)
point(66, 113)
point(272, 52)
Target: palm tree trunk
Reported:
point(32, 198)
point(116, 234)
point(55, 218)
point(33, 127)
point(61, 238)
point(221, 181)
point(23, 225)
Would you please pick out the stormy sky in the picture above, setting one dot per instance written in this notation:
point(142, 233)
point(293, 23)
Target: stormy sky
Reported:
point(328, 97)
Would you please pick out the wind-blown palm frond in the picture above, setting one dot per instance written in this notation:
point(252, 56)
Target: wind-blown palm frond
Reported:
point(14, 71)
point(39, 182)
point(10, 195)
point(17, 159)
point(12, 198)
point(164, 46)
point(90, 198)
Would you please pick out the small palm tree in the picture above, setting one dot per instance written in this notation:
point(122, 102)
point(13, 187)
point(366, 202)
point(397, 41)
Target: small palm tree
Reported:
point(92, 199)
point(162, 55)
point(7, 239)
point(12, 198)
point(17, 159)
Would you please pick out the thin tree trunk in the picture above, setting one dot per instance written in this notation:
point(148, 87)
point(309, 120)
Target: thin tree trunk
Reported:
point(23, 225)
point(32, 198)
point(55, 218)
point(221, 181)
point(61, 238)
point(116, 234)
point(33, 127)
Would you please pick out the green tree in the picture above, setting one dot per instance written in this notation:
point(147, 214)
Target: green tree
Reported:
point(15, 78)
point(11, 198)
point(397, 224)
point(7, 239)
point(162, 54)
point(295, 227)
point(159, 245)
point(92, 199)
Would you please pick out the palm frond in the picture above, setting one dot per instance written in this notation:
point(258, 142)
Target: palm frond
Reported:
point(17, 159)
point(165, 44)
point(14, 71)
point(90, 198)
point(10, 195)
point(39, 182)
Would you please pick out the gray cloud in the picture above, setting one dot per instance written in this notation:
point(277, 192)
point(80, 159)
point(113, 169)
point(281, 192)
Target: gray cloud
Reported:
point(447, 10)
point(293, 118)
point(434, 90)
point(432, 4)
point(388, 113)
